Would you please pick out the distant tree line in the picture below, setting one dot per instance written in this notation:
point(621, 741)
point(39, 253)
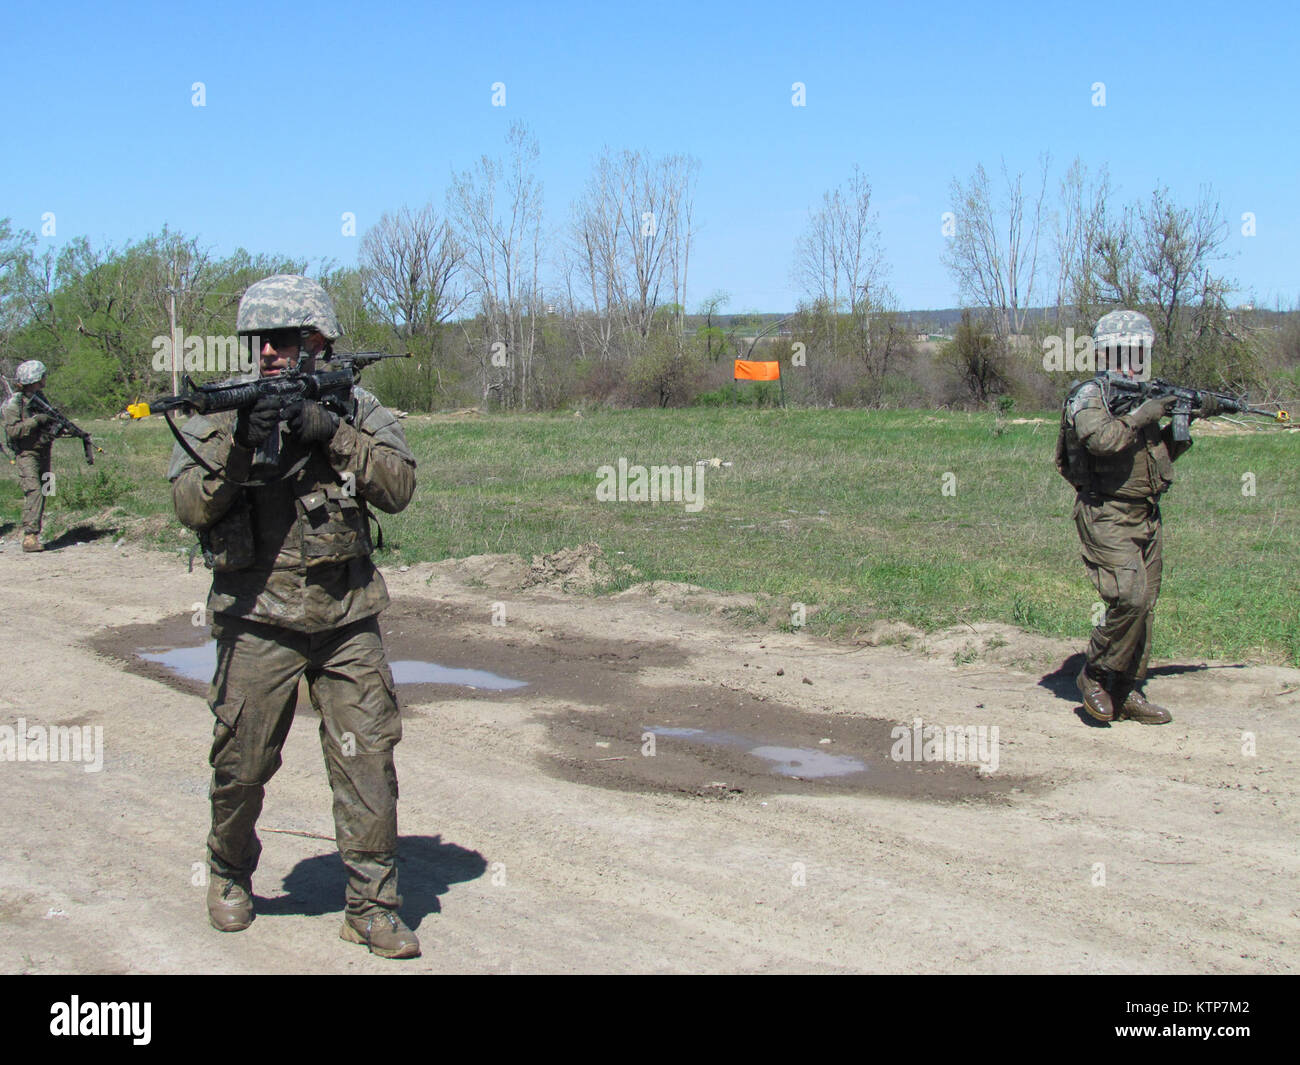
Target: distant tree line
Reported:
point(503, 307)
point(1084, 255)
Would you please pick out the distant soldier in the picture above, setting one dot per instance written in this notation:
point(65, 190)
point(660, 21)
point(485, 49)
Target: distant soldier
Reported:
point(32, 440)
point(294, 593)
point(1120, 466)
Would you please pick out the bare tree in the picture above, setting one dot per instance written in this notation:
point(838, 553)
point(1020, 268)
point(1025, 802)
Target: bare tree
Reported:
point(1080, 228)
point(497, 208)
point(840, 266)
point(411, 262)
point(631, 236)
point(595, 254)
point(993, 253)
point(1116, 272)
point(679, 175)
point(1178, 246)
point(1159, 258)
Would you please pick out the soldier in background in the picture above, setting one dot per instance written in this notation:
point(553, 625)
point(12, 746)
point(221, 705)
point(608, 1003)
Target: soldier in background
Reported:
point(1120, 467)
point(294, 592)
point(30, 437)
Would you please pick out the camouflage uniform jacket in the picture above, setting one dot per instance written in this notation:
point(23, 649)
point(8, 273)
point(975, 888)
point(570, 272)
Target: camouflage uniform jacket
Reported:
point(21, 430)
point(295, 553)
point(1104, 455)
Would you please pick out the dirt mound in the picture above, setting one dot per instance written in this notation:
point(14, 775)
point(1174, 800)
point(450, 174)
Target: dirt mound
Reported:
point(581, 569)
point(692, 597)
point(503, 572)
point(886, 633)
point(986, 643)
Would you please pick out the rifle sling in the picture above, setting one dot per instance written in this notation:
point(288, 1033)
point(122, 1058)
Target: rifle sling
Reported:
point(185, 446)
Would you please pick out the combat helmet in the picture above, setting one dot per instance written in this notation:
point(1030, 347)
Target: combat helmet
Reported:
point(287, 301)
point(29, 372)
point(1123, 335)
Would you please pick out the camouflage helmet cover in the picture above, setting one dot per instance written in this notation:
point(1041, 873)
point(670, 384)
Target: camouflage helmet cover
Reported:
point(287, 301)
point(1126, 328)
point(29, 372)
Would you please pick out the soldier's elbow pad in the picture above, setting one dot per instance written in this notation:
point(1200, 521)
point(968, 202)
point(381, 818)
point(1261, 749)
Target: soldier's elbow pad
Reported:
point(191, 510)
point(402, 498)
point(186, 515)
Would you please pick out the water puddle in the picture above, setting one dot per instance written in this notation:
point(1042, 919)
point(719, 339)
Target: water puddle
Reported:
point(803, 763)
point(192, 663)
point(199, 663)
point(410, 671)
point(712, 742)
point(808, 763)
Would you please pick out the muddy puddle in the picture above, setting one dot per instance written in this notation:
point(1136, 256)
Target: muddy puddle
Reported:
point(718, 743)
point(801, 763)
point(198, 664)
point(697, 738)
point(184, 656)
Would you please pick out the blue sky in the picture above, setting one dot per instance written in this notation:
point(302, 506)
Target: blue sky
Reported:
point(314, 110)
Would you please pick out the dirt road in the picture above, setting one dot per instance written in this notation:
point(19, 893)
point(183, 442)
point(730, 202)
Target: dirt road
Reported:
point(771, 829)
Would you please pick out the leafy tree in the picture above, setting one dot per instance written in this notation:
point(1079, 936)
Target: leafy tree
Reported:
point(978, 359)
point(714, 337)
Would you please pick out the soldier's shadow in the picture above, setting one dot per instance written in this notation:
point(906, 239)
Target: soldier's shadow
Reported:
point(426, 868)
point(1062, 682)
point(78, 534)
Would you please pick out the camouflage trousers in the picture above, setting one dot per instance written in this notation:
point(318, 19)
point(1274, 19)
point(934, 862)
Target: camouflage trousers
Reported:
point(1121, 542)
point(32, 467)
point(253, 695)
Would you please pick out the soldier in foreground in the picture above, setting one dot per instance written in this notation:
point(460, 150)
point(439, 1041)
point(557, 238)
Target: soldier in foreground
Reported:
point(1120, 466)
point(294, 592)
point(29, 436)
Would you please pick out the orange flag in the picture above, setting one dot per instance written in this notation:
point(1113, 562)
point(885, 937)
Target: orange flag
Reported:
point(757, 371)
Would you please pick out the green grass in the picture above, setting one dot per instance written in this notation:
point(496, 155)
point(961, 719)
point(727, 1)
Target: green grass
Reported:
point(841, 510)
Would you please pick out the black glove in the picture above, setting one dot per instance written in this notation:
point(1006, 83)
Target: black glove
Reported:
point(257, 422)
point(1152, 411)
point(310, 422)
point(1209, 407)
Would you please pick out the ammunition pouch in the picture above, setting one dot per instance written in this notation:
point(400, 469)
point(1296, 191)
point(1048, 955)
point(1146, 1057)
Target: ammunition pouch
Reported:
point(1072, 458)
point(334, 526)
point(227, 544)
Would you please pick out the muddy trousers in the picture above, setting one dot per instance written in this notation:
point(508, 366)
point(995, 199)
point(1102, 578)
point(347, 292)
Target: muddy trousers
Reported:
point(253, 696)
point(1122, 550)
point(32, 469)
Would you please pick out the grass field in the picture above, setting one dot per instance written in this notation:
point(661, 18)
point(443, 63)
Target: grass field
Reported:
point(845, 511)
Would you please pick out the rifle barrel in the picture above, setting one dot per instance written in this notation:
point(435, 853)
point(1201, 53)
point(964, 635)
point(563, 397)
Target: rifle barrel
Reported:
point(213, 398)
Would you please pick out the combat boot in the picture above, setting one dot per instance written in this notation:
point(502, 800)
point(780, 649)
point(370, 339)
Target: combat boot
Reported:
point(1136, 708)
point(230, 903)
point(1096, 699)
point(32, 542)
point(383, 932)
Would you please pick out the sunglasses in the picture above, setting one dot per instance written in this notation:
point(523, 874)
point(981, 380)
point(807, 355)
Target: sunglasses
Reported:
point(280, 339)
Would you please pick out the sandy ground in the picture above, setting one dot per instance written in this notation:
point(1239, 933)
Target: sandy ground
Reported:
point(539, 835)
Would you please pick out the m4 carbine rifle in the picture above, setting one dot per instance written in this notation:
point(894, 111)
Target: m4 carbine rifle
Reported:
point(62, 426)
point(330, 386)
point(1133, 393)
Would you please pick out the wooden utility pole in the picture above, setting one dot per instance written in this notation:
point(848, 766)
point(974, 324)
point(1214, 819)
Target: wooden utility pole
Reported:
point(171, 312)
